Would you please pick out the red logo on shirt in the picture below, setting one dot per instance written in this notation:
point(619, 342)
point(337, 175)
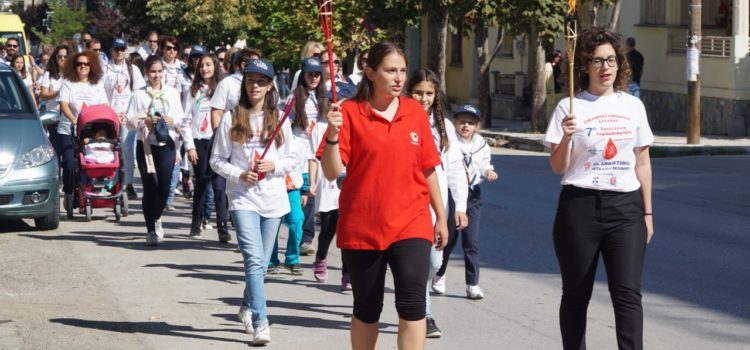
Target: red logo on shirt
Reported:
point(610, 151)
point(414, 138)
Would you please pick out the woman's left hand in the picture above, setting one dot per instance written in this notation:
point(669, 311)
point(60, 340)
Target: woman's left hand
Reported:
point(649, 228)
point(441, 234)
point(265, 166)
point(169, 120)
point(462, 220)
point(193, 156)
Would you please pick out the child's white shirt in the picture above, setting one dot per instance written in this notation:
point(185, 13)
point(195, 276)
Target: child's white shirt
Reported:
point(450, 172)
point(476, 158)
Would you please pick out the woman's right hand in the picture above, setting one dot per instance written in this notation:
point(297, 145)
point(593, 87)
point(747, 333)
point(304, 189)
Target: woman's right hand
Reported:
point(249, 178)
point(335, 119)
point(569, 125)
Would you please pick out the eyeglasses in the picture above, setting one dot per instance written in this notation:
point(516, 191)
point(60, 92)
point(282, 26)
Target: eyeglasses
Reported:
point(170, 48)
point(82, 64)
point(11, 46)
point(598, 62)
point(336, 62)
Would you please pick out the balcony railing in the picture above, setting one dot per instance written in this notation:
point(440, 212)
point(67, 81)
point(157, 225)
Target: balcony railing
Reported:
point(711, 46)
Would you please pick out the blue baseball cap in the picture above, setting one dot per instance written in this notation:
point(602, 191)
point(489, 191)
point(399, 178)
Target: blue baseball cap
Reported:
point(311, 65)
point(119, 43)
point(197, 50)
point(344, 90)
point(469, 109)
point(260, 66)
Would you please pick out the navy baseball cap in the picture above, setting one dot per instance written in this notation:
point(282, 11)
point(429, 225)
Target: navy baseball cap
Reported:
point(119, 43)
point(260, 66)
point(468, 109)
point(311, 65)
point(197, 50)
point(344, 90)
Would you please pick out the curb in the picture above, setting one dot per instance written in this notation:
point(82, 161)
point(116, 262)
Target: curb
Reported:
point(500, 139)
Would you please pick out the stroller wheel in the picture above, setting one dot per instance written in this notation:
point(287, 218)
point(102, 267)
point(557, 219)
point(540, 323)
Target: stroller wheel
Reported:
point(89, 211)
point(118, 210)
point(124, 209)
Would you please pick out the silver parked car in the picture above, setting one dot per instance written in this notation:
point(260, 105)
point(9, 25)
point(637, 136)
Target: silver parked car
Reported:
point(29, 172)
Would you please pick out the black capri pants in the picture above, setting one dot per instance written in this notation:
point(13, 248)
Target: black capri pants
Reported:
point(409, 260)
point(590, 222)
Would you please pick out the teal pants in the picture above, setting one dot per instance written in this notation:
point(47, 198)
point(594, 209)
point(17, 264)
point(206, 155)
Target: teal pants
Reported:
point(294, 221)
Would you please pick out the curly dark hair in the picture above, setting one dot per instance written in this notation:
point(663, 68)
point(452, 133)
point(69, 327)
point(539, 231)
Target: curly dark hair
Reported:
point(95, 69)
point(587, 42)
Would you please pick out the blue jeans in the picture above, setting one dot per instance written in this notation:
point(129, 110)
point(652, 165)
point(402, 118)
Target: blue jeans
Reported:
point(294, 220)
point(128, 150)
point(255, 235)
point(173, 184)
point(634, 89)
point(208, 206)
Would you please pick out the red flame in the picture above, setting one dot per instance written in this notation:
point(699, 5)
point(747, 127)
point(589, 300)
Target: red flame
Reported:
point(204, 124)
point(610, 151)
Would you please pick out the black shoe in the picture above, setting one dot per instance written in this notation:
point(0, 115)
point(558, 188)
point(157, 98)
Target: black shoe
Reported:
point(432, 329)
point(224, 236)
point(295, 269)
point(195, 228)
point(131, 192)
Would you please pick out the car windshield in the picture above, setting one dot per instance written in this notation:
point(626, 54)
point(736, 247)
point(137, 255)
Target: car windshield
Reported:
point(12, 99)
point(4, 36)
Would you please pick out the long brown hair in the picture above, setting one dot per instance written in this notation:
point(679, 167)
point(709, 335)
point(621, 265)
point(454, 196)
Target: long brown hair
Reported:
point(12, 60)
point(374, 59)
point(95, 69)
point(198, 78)
point(588, 41)
point(301, 93)
point(438, 105)
point(53, 67)
point(241, 130)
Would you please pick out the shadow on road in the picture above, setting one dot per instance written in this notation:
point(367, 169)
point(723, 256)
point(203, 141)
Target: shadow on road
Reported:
point(156, 328)
point(134, 241)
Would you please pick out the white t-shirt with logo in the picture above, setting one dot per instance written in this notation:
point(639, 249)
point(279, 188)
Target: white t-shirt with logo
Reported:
point(77, 95)
point(608, 128)
point(117, 85)
point(197, 117)
point(52, 85)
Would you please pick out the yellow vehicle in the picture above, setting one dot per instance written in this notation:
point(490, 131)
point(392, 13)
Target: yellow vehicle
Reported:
point(12, 27)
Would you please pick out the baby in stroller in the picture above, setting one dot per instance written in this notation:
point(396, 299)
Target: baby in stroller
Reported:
point(98, 149)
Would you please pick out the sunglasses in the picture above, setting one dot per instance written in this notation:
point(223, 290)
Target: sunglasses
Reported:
point(82, 64)
point(96, 50)
point(221, 59)
point(61, 57)
point(336, 62)
point(119, 49)
point(170, 48)
point(9, 45)
point(153, 41)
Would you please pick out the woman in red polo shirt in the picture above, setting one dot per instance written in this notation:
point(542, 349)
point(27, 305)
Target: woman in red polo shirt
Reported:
point(385, 142)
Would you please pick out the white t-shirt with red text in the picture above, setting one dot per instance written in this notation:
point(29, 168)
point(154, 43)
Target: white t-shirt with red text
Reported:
point(608, 128)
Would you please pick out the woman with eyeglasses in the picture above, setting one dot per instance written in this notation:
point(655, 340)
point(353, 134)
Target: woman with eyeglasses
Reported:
point(121, 78)
point(82, 87)
point(51, 83)
point(153, 107)
point(601, 148)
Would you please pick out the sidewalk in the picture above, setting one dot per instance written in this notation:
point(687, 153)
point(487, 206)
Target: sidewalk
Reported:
point(516, 134)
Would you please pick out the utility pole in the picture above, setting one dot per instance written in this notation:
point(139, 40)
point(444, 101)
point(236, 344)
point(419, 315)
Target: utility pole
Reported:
point(693, 74)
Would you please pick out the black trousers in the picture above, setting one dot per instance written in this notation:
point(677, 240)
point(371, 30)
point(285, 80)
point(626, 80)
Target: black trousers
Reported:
point(589, 223)
point(204, 177)
point(469, 237)
point(328, 222)
point(409, 260)
point(308, 227)
point(66, 151)
point(155, 186)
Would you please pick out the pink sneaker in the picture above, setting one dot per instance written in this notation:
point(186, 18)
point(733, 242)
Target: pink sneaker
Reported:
point(346, 282)
point(320, 270)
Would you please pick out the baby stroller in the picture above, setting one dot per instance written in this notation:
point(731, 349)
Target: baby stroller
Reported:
point(99, 185)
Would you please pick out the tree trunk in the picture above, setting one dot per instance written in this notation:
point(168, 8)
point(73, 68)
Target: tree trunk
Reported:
point(437, 38)
point(481, 34)
point(536, 77)
point(615, 16)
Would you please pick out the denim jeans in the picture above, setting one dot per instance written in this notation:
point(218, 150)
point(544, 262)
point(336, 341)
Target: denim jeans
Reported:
point(173, 185)
point(436, 260)
point(255, 235)
point(128, 156)
point(294, 220)
point(634, 89)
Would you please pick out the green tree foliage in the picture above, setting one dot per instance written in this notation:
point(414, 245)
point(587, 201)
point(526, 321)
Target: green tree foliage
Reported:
point(32, 17)
point(109, 21)
point(65, 23)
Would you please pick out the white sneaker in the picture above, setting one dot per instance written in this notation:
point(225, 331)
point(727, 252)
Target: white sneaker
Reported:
point(159, 229)
point(474, 292)
point(262, 335)
point(152, 239)
point(246, 317)
point(206, 225)
point(438, 284)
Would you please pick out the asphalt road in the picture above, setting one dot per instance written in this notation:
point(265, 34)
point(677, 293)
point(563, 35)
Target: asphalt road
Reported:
point(96, 286)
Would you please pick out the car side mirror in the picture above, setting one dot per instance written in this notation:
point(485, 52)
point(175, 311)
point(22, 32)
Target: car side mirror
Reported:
point(48, 118)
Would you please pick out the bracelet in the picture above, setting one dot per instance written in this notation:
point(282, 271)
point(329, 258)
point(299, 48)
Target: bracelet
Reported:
point(648, 214)
point(329, 142)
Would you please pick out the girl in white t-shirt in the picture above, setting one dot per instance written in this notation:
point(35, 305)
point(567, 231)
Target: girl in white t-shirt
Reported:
point(51, 82)
point(155, 157)
point(256, 187)
point(82, 87)
point(424, 87)
point(18, 62)
point(601, 150)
